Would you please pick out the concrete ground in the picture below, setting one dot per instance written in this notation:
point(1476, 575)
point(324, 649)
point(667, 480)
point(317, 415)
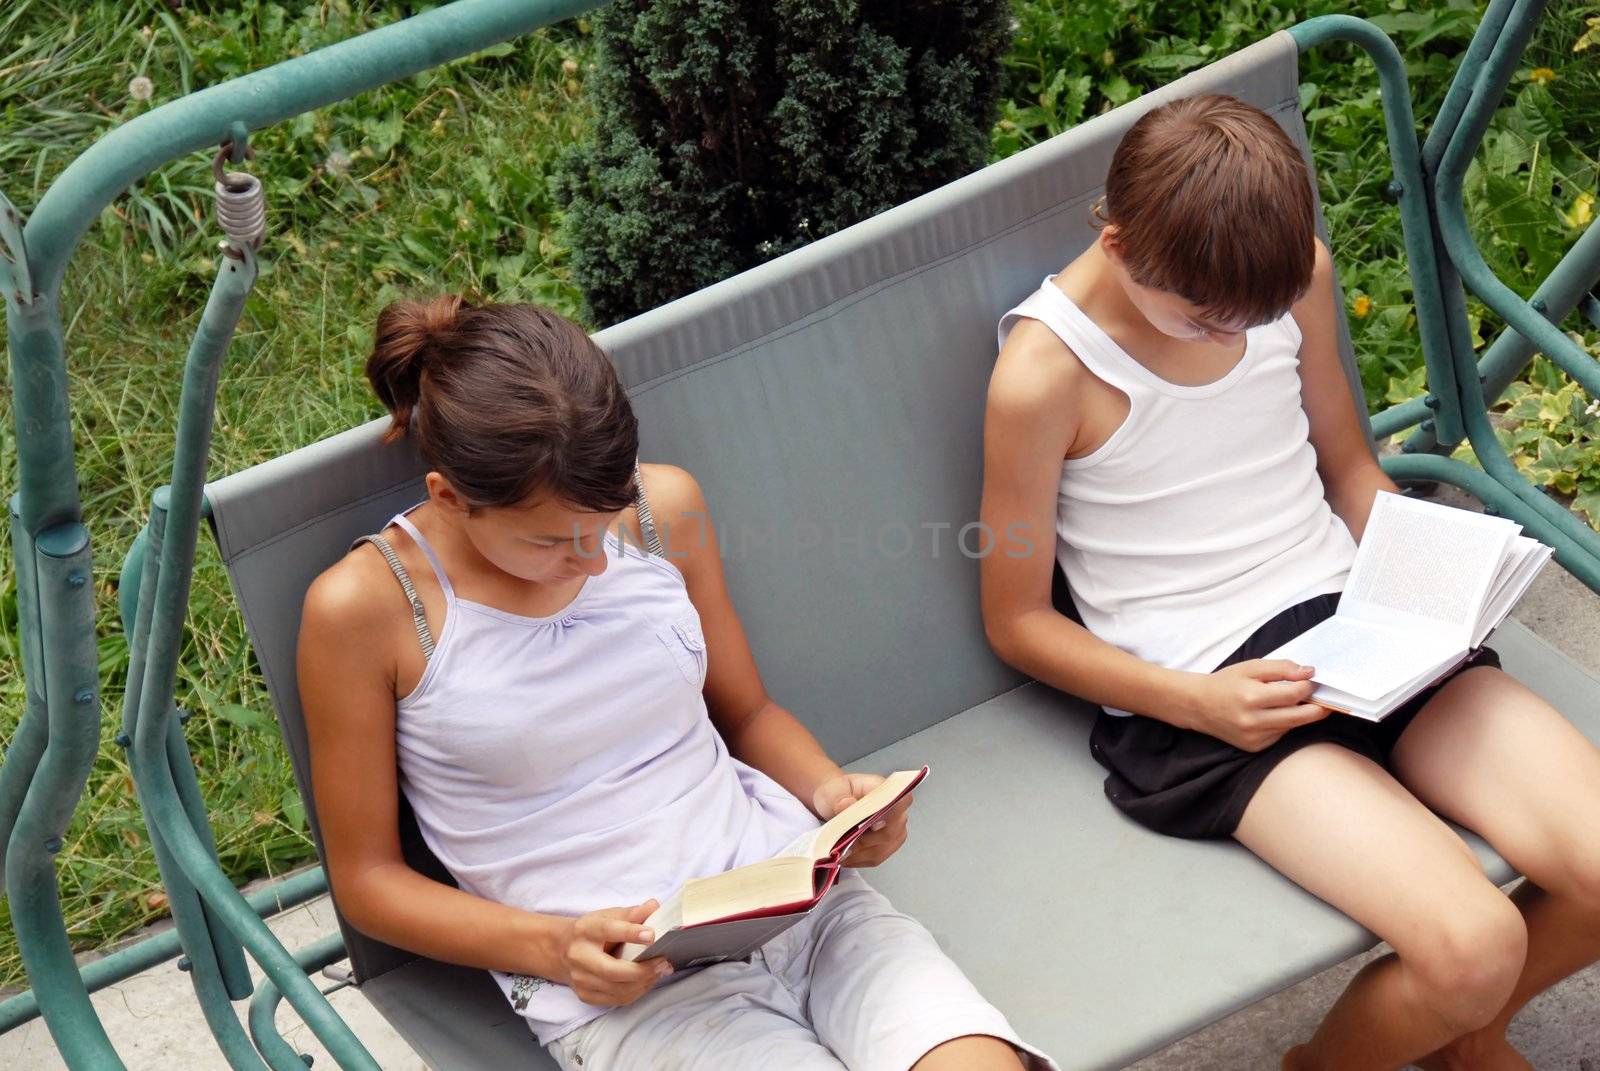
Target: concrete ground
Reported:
point(156, 1024)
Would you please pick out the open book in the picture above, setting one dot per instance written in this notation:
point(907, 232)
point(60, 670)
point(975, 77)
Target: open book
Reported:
point(1428, 585)
point(730, 915)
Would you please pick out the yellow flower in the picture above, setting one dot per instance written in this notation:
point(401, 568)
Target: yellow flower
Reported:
point(1590, 36)
point(1542, 75)
point(1360, 307)
point(1582, 210)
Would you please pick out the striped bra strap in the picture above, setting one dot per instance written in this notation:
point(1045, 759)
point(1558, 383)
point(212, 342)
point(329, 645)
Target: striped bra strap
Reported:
point(418, 617)
point(647, 521)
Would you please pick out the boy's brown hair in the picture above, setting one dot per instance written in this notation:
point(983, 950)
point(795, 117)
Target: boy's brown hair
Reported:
point(1211, 201)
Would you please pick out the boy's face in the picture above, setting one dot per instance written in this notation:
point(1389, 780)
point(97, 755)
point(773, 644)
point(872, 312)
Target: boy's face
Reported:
point(1168, 313)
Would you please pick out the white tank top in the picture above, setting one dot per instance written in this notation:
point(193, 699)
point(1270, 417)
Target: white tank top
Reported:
point(567, 763)
point(1203, 515)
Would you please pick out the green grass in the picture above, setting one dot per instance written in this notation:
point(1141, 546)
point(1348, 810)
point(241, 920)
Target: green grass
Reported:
point(439, 182)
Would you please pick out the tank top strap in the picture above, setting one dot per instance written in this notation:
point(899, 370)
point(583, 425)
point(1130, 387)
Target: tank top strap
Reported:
point(427, 552)
point(1088, 342)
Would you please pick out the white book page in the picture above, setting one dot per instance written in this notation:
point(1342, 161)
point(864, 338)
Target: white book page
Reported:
point(1378, 709)
point(1423, 565)
point(1366, 659)
point(1524, 561)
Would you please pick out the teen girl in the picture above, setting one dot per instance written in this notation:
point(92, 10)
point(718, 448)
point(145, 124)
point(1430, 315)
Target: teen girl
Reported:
point(539, 686)
point(1172, 405)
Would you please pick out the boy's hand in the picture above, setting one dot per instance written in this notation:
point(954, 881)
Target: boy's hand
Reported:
point(1251, 704)
point(885, 836)
point(590, 958)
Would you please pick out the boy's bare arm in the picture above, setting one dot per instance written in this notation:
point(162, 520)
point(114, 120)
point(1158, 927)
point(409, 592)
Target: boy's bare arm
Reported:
point(1350, 474)
point(1032, 418)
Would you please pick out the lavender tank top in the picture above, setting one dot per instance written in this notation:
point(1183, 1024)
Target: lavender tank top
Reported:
point(567, 763)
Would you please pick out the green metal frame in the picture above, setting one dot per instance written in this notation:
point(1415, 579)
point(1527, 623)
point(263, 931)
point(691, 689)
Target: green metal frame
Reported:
point(1443, 256)
point(48, 762)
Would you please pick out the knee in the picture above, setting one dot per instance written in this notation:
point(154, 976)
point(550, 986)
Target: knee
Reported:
point(1578, 880)
point(1467, 962)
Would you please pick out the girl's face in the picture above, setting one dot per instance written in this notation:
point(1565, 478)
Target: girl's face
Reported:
point(546, 542)
point(1168, 313)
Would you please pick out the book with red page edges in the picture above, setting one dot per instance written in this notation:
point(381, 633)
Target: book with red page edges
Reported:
point(727, 916)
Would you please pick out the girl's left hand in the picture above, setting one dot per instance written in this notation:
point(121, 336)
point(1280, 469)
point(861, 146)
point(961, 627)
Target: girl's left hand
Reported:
point(884, 837)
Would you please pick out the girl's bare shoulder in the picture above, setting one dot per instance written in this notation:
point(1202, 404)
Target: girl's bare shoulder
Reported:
point(345, 596)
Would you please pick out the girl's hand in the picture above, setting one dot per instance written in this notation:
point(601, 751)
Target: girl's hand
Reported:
point(1251, 704)
point(593, 970)
point(885, 836)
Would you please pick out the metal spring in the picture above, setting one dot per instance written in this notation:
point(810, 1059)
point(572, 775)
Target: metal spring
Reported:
point(241, 203)
point(242, 208)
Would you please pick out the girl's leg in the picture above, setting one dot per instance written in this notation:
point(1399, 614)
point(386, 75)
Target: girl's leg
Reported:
point(729, 1017)
point(969, 1053)
point(1340, 826)
point(1492, 755)
point(882, 994)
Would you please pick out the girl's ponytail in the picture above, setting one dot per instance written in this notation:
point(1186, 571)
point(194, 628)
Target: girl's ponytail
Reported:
point(505, 401)
point(411, 336)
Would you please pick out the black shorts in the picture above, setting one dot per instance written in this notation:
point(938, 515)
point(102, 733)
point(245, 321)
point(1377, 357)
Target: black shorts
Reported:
point(1188, 784)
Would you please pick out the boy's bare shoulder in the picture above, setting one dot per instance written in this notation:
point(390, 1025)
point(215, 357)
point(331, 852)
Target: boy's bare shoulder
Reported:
point(1036, 373)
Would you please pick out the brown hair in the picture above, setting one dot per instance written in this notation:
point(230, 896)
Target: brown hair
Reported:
point(1213, 202)
point(506, 401)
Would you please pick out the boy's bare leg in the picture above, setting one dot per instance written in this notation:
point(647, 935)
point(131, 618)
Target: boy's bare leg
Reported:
point(1492, 755)
point(1343, 828)
point(976, 1052)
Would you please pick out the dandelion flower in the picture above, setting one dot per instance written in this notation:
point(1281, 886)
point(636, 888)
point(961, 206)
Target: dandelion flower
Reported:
point(141, 88)
point(1361, 307)
point(338, 162)
point(1542, 75)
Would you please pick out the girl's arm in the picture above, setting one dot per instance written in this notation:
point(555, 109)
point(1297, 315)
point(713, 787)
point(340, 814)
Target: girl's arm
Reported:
point(758, 731)
point(347, 688)
point(1351, 476)
point(1029, 427)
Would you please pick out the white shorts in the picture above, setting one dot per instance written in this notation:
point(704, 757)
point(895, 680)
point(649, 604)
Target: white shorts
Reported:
point(855, 985)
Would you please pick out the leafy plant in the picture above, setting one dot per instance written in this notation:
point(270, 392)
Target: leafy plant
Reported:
point(1551, 429)
point(731, 131)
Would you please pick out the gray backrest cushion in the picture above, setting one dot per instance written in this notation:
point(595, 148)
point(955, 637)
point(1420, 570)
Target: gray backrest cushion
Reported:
point(831, 405)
